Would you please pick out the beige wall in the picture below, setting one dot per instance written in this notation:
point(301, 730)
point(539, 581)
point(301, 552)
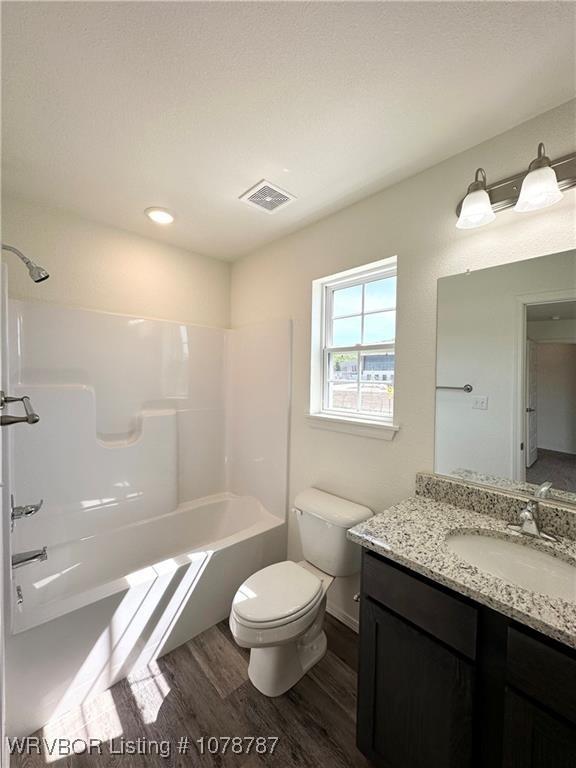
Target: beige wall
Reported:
point(415, 220)
point(99, 267)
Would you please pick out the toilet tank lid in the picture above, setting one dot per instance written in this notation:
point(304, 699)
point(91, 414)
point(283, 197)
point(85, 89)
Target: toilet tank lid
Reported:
point(332, 509)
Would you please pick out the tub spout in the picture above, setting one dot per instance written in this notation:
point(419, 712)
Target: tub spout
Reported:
point(32, 556)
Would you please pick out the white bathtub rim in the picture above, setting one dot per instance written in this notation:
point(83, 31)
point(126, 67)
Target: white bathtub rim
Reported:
point(54, 609)
point(185, 506)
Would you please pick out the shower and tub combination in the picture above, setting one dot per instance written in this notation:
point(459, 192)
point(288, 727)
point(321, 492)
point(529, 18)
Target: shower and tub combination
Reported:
point(152, 485)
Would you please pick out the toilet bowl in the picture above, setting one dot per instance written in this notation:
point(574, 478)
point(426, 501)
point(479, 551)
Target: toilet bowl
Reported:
point(279, 614)
point(279, 611)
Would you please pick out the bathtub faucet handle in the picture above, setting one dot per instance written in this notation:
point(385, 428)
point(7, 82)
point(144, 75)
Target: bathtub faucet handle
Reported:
point(24, 511)
point(31, 416)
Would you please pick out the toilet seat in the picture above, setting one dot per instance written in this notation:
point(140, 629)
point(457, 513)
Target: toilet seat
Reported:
point(276, 596)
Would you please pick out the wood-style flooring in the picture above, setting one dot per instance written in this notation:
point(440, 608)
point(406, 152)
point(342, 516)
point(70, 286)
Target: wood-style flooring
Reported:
point(202, 689)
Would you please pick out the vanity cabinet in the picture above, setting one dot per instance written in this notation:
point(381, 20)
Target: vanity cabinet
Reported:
point(534, 737)
point(540, 704)
point(446, 683)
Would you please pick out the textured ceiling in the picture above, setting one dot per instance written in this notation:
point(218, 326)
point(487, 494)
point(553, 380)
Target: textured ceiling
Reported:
point(565, 310)
point(109, 108)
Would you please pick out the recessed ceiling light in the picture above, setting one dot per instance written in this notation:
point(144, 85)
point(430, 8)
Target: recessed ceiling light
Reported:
point(159, 215)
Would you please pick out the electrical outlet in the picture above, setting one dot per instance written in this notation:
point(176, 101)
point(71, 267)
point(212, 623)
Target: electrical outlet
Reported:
point(480, 402)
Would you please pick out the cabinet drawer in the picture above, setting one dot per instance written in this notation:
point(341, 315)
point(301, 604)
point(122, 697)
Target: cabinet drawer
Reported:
point(543, 672)
point(442, 615)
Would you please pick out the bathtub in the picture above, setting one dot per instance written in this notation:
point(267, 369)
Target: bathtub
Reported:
point(107, 604)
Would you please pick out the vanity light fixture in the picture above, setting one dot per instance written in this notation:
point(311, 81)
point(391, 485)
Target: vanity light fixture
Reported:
point(540, 186)
point(476, 209)
point(159, 215)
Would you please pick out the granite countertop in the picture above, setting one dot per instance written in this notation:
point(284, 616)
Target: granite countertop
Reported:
point(413, 533)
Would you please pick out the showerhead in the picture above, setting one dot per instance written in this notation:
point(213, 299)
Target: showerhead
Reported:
point(38, 274)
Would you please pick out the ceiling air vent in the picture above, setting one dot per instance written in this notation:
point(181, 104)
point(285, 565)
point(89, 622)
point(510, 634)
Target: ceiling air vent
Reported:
point(267, 197)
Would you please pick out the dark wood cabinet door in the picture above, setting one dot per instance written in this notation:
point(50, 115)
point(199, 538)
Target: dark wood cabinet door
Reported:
point(535, 738)
point(415, 702)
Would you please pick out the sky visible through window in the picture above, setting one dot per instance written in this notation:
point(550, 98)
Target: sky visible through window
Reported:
point(379, 325)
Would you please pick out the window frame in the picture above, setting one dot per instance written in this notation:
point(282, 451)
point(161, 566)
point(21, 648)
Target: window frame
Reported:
point(322, 343)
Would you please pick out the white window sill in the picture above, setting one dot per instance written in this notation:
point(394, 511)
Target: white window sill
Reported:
point(361, 427)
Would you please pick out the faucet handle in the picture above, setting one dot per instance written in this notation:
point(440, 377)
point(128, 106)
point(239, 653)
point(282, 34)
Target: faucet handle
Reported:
point(27, 510)
point(529, 519)
point(31, 416)
point(528, 514)
point(543, 491)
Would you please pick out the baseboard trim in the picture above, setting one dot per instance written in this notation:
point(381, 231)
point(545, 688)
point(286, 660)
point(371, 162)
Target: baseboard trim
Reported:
point(344, 618)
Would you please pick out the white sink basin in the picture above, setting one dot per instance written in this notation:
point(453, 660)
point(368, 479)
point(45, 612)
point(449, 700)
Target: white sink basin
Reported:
point(516, 563)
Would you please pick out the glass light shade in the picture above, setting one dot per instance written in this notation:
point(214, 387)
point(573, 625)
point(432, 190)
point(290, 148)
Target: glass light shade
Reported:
point(476, 210)
point(539, 190)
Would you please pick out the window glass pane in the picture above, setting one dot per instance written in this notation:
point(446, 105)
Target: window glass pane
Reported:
point(346, 332)
point(380, 294)
point(343, 366)
point(377, 399)
point(379, 327)
point(377, 366)
point(343, 396)
point(347, 301)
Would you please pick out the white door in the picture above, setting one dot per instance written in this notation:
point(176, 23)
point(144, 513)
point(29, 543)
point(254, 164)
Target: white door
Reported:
point(530, 400)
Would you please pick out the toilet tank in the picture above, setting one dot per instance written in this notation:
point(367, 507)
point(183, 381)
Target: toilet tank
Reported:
point(323, 520)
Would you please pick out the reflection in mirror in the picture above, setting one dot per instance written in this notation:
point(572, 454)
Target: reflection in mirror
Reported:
point(510, 333)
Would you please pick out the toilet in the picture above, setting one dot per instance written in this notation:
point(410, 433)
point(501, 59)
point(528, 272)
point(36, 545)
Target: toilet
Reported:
point(278, 612)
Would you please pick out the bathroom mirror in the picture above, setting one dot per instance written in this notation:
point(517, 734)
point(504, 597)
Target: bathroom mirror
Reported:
point(506, 376)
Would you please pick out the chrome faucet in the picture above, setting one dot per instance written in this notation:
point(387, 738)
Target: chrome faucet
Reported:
point(32, 556)
point(528, 517)
point(544, 491)
point(529, 523)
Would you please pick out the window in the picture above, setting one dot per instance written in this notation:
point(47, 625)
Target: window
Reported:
point(353, 345)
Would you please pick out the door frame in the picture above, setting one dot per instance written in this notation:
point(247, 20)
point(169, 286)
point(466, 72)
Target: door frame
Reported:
point(530, 398)
point(519, 380)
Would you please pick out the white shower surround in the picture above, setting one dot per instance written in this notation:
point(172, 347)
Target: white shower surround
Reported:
point(161, 454)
